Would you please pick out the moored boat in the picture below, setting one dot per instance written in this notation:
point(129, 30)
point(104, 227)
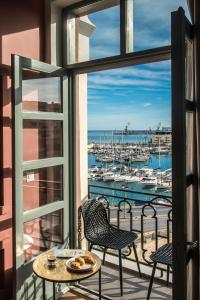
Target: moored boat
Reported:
point(149, 181)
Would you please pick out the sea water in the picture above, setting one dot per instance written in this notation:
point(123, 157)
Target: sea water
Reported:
point(109, 136)
point(156, 162)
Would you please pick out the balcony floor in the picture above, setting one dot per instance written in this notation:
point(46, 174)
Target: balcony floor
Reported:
point(134, 287)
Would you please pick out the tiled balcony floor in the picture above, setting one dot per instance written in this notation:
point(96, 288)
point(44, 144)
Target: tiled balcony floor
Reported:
point(134, 287)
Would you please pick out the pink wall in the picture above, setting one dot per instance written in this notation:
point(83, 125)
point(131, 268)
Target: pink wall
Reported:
point(22, 31)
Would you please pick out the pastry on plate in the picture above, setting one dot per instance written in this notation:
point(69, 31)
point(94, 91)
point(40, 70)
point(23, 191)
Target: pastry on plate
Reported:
point(80, 260)
point(75, 265)
point(89, 260)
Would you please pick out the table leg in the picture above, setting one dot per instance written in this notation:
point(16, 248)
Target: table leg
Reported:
point(100, 283)
point(54, 291)
point(43, 289)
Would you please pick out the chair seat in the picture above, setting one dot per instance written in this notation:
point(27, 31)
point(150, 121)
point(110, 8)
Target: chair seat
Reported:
point(163, 255)
point(114, 238)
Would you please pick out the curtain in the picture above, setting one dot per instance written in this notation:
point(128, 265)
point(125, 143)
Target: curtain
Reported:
point(191, 191)
point(195, 14)
point(193, 201)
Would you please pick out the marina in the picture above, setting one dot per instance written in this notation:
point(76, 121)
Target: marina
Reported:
point(136, 164)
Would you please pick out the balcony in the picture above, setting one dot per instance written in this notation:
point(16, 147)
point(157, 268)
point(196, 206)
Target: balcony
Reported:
point(148, 214)
point(134, 287)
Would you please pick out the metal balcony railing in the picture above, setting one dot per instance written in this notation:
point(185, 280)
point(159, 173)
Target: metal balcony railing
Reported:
point(148, 214)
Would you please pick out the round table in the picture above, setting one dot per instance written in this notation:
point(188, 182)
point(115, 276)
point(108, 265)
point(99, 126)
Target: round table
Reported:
point(60, 274)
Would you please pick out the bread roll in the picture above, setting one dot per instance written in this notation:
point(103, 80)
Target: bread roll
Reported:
point(89, 260)
point(80, 260)
point(75, 265)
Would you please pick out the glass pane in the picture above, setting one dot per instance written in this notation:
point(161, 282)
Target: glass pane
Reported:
point(189, 72)
point(42, 139)
point(189, 143)
point(98, 34)
point(42, 186)
point(42, 233)
point(129, 130)
point(152, 22)
point(42, 94)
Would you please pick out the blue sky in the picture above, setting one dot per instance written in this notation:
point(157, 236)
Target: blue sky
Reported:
point(140, 95)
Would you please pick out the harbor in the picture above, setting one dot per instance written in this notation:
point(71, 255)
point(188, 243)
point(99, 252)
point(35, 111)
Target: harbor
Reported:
point(131, 162)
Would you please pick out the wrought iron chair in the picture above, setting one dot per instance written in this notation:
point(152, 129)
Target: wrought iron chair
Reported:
point(162, 256)
point(98, 231)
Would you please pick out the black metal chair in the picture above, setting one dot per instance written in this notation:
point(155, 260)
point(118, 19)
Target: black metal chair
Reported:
point(162, 256)
point(98, 231)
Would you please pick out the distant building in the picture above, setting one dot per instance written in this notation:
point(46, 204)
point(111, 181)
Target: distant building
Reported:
point(162, 136)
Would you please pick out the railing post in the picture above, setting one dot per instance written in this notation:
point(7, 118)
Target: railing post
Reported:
point(79, 228)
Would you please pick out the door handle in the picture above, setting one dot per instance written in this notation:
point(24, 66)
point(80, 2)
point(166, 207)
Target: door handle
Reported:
point(191, 249)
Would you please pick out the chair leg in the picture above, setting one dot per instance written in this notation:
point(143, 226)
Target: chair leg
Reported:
point(90, 247)
point(104, 255)
point(168, 269)
point(120, 272)
point(137, 260)
point(151, 281)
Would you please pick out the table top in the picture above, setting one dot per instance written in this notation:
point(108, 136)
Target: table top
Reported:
point(60, 273)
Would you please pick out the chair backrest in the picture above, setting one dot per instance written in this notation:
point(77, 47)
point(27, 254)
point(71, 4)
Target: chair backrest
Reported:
point(95, 219)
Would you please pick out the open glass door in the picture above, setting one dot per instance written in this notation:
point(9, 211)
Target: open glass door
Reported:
point(185, 225)
point(40, 161)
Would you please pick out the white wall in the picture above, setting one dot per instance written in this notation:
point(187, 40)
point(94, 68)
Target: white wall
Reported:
point(85, 29)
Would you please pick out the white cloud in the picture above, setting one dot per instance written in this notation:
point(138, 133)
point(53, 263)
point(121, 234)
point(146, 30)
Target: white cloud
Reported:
point(146, 104)
point(121, 88)
point(149, 77)
point(104, 81)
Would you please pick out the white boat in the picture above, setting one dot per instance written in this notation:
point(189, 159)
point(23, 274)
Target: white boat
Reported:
point(164, 185)
point(120, 178)
point(91, 176)
point(139, 158)
point(145, 171)
point(133, 179)
point(162, 201)
point(149, 181)
point(161, 151)
point(106, 159)
point(109, 176)
point(161, 173)
point(134, 171)
point(98, 177)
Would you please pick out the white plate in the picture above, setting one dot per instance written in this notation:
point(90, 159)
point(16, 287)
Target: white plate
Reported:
point(84, 268)
point(68, 253)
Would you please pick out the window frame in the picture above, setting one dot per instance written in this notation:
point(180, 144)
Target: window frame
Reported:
point(71, 12)
point(124, 59)
point(19, 165)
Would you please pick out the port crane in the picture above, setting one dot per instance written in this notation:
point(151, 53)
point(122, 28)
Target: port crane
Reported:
point(126, 128)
